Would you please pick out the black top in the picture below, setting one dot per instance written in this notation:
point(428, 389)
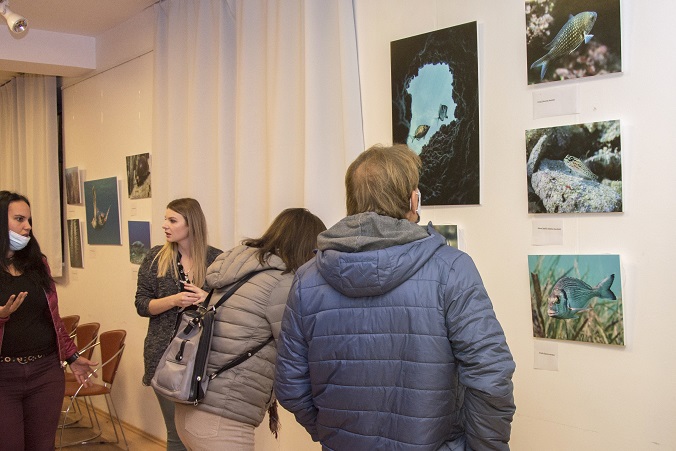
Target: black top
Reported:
point(30, 329)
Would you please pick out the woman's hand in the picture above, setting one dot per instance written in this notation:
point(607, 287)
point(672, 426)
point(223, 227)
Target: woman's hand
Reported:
point(196, 291)
point(13, 303)
point(83, 371)
point(186, 298)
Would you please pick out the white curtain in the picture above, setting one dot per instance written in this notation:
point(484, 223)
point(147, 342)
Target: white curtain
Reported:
point(30, 162)
point(257, 109)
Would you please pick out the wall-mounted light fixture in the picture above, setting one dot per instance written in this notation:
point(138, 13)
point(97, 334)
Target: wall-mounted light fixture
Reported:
point(16, 23)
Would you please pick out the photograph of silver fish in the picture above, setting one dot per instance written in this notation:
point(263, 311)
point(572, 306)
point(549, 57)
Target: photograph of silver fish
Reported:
point(570, 37)
point(571, 296)
point(564, 306)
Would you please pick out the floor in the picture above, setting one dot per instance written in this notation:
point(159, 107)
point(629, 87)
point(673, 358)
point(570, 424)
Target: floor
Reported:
point(136, 440)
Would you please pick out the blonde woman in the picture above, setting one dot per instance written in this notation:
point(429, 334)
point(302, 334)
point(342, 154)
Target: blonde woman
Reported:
point(172, 277)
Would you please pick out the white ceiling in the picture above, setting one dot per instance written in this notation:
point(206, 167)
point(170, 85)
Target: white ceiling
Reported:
point(78, 17)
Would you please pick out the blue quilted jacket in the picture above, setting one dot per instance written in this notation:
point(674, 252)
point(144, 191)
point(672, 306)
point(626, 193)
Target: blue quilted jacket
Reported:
point(389, 342)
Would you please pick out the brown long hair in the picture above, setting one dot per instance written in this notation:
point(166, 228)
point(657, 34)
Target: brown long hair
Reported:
point(292, 236)
point(191, 210)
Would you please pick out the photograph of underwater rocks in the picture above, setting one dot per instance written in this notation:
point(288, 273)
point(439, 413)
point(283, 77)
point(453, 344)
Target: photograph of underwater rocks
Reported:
point(577, 297)
point(435, 110)
point(567, 39)
point(574, 168)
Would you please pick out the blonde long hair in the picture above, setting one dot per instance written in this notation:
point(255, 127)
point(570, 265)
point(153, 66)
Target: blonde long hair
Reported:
point(191, 210)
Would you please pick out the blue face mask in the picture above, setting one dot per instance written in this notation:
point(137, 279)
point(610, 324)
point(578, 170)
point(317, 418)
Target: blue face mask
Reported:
point(17, 242)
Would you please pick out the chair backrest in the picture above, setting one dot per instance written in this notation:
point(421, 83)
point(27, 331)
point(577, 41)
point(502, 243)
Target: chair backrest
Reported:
point(85, 336)
point(70, 322)
point(112, 343)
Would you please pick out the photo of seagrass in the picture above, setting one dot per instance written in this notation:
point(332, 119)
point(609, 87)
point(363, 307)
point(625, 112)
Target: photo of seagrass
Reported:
point(577, 298)
point(435, 110)
point(574, 168)
point(448, 231)
point(74, 243)
point(103, 211)
point(73, 187)
point(568, 39)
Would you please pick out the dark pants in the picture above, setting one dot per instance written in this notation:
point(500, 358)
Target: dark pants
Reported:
point(31, 397)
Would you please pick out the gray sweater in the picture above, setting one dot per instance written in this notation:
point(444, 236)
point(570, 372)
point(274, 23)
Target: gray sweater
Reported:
point(161, 327)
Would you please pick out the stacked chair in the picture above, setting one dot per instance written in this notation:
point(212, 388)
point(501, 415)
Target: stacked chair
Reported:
point(112, 346)
point(71, 322)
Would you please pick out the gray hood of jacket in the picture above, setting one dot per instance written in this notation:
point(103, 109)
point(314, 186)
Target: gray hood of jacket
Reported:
point(368, 254)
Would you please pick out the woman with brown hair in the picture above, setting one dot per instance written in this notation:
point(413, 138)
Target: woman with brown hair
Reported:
point(237, 399)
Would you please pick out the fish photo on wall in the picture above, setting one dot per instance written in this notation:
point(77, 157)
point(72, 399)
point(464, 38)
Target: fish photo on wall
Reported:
point(577, 297)
point(435, 110)
point(575, 168)
point(568, 39)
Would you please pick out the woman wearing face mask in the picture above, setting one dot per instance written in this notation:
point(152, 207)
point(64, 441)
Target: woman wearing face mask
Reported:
point(33, 339)
point(172, 277)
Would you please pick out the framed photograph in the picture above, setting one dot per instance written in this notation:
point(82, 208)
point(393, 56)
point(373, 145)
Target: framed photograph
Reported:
point(577, 297)
point(435, 110)
point(138, 176)
point(568, 39)
point(73, 186)
point(139, 241)
point(75, 243)
point(103, 211)
point(448, 231)
point(575, 168)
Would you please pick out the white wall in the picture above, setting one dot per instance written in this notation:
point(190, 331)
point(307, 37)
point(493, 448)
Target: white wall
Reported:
point(601, 398)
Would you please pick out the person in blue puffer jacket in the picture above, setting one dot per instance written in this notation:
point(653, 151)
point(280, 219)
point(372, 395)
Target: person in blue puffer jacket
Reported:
point(389, 340)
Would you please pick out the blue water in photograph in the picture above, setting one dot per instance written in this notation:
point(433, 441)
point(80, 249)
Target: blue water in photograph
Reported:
point(431, 103)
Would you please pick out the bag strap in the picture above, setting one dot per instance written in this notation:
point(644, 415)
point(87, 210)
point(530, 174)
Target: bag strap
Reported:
point(239, 359)
point(231, 291)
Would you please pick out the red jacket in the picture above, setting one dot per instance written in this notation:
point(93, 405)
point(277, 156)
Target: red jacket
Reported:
point(66, 344)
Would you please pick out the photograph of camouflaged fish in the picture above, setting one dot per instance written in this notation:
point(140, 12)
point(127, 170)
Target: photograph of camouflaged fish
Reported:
point(435, 110)
point(567, 39)
point(575, 168)
point(577, 298)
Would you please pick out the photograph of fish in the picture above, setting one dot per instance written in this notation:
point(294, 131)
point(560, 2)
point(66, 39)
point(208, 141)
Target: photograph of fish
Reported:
point(103, 211)
point(138, 176)
point(74, 243)
point(450, 232)
point(73, 187)
point(574, 168)
point(435, 110)
point(139, 241)
point(567, 39)
point(577, 298)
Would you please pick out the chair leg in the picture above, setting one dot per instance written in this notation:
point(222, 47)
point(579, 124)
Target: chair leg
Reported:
point(114, 417)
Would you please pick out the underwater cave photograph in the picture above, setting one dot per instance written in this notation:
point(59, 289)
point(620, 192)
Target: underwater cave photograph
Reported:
point(435, 110)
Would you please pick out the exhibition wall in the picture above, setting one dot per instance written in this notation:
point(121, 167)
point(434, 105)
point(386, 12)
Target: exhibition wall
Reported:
point(589, 396)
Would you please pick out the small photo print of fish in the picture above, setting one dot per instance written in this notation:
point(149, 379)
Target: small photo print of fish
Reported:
point(577, 297)
point(575, 168)
point(567, 39)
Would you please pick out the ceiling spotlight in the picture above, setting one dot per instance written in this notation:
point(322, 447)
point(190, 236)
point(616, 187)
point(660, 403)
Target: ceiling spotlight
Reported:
point(16, 23)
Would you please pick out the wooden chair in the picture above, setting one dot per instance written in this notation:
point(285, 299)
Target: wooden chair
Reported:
point(85, 339)
point(112, 346)
point(71, 322)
